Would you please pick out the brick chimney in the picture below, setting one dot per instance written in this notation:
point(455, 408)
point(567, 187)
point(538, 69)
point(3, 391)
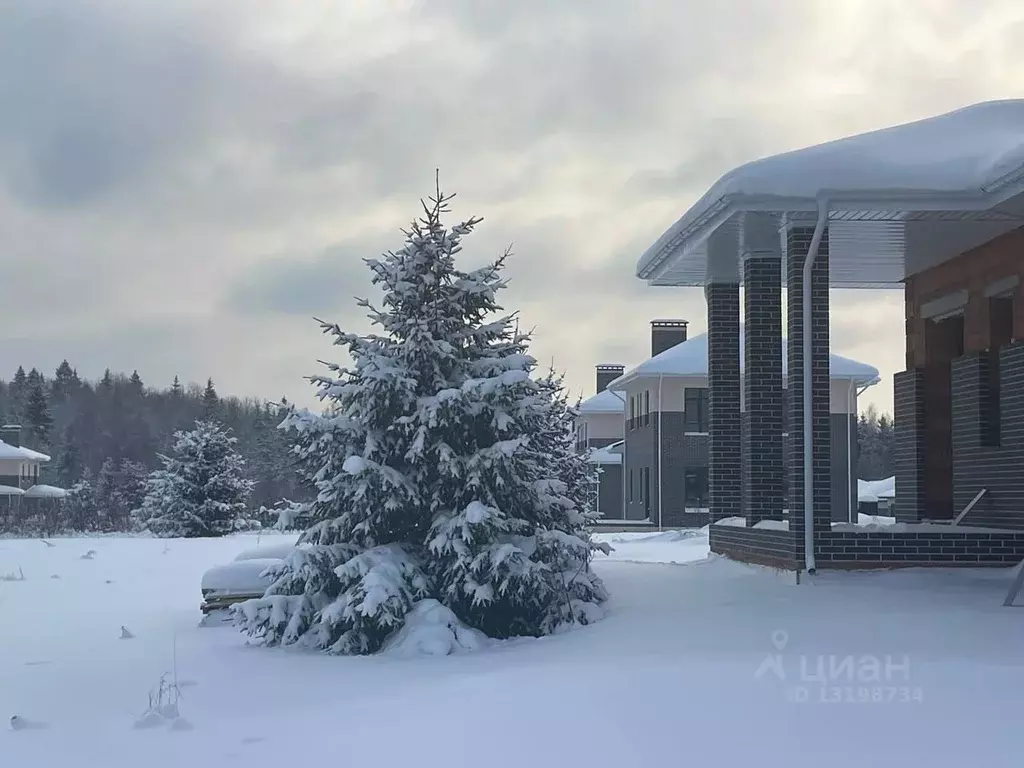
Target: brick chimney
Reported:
point(11, 434)
point(665, 334)
point(607, 373)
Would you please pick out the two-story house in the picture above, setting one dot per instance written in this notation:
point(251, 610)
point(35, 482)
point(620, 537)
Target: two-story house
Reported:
point(662, 410)
point(19, 472)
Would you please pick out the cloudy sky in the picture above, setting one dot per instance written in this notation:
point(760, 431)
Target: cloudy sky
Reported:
point(184, 184)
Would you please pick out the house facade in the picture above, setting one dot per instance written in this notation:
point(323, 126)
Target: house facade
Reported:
point(19, 466)
point(934, 207)
point(660, 412)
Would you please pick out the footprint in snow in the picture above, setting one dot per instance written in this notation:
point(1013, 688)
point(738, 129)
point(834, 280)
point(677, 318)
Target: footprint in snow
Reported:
point(126, 633)
point(55, 576)
point(19, 723)
point(252, 739)
point(88, 555)
point(37, 664)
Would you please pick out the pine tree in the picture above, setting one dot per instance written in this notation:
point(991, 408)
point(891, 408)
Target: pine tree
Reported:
point(79, 505)
point(176, 389)
point(201, 490)
point(65, 382)
point(135, 384)
point(211, 402)
point(37, 413)
point(439, 470)
point(69, 458)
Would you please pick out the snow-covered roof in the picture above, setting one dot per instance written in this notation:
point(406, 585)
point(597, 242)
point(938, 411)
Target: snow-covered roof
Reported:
point(892, 183)
point(604, 456)
point(602, 402)
point(45, 492)
point(690, 358)
point(16, 453)
point(10, 490)
point(876, 490)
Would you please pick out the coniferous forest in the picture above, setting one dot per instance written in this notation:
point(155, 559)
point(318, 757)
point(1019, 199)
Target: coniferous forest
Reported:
point(105, 438)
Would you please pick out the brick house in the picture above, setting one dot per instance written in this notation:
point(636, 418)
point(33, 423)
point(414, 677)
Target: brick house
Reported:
point(659, 410)
point(19, 474)
point(935, 207)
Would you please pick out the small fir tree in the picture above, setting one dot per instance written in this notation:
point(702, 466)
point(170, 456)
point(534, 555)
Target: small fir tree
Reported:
point(201, 490)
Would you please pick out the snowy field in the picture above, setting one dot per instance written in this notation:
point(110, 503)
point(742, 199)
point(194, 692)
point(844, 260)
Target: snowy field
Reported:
point(671, 677)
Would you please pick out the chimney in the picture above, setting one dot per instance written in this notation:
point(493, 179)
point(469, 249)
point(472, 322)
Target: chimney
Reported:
point(665, 334)
point(11, 434)
point(607, 373)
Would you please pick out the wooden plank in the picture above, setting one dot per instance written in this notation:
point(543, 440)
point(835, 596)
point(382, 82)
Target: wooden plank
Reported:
point(970, 506)
point(1015, 587)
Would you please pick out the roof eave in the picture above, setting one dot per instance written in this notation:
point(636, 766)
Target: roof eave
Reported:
point(691, 234)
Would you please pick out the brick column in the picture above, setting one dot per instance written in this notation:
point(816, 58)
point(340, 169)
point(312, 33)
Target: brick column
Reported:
point(724, 399)
point(761, 450)
point(909, 448)
point(798, 241)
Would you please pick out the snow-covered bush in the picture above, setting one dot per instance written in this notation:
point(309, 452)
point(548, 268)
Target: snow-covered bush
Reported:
point(201, 490)
point(445, 470)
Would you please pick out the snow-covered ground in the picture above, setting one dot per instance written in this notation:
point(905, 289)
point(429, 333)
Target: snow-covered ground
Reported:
point(671, 677)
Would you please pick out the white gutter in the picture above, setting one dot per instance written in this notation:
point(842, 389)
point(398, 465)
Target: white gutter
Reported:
point(661, 411)
point(812, 255)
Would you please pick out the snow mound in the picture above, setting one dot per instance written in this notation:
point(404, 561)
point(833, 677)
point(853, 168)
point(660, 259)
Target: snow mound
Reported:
point(644, 538)
point(431, 629)
point(240, 577)
point(276, 552)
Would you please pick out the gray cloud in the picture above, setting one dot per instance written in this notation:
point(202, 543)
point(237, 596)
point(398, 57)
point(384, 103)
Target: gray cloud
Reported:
point(152, 156)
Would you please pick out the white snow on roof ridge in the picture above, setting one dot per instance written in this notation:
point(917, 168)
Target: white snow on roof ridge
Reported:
point(690, 358)
point(10, 452)
point(602, 402)
point(929, 156)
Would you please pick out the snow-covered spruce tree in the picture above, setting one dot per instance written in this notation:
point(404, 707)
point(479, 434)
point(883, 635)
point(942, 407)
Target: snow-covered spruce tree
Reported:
point(433, 467)
point(511, 526)
point(201, 490)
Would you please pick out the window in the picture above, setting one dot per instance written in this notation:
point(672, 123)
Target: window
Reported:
point(631, 485)
point(695, 481)
point(632, 411)
point(647, 408)
point(695, 418)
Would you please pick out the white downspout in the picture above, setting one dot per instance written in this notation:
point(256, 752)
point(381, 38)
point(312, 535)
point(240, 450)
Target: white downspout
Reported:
point(850, 399)
point(812, 255)
point(661, 413)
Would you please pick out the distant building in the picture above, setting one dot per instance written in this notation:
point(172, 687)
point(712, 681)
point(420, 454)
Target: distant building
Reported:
point(657, 414)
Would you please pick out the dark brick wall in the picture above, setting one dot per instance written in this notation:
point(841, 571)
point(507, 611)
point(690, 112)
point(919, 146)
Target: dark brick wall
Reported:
point(609, 491)
point(665, 334)
point(601, 442)
point(908, 448)
point(678, 452)
point(761, 443)
point(641, 452)
point(871, 549)
point(607, 373)
point(979, 462)
point(12, 481)
point(723, 301)
point(755, 545)
point(881, 549)
point(798, 242)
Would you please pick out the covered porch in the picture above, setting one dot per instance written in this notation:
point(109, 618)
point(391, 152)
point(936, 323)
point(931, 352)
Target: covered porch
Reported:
point(887, 209)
